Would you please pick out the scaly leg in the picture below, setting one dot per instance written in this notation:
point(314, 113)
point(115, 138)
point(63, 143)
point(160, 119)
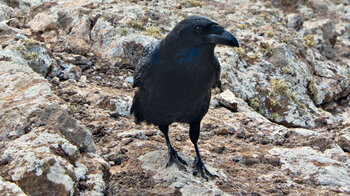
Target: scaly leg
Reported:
point(198, 163)
point(173, 156)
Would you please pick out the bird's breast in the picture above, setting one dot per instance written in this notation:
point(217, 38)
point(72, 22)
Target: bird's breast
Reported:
point(187, 71)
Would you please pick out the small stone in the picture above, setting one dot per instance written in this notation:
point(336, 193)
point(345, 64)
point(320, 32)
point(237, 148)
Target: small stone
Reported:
point(219, 149)
point(237, 158)
point(120, 159)
point(83, 79)
point(344, 142)
point(72, 81)
point(129, 80)
point(214, 103)
point(231, 130)
point(294, 21)
point(240, 133)
point(55, 80)
point(178, 137)
point(112, 157)
point(123, 150)
point(127, 141)
point(228, 100)
point(299, 180)
point(223, 131)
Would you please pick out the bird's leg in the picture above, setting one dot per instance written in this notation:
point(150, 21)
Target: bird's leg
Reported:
point(173, 156)
point(198, 162)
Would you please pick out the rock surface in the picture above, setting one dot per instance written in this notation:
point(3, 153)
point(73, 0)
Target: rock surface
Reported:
point(278, 126)
point(41, 144)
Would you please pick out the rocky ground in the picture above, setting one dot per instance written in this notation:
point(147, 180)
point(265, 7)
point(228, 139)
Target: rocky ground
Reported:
point(279, 125)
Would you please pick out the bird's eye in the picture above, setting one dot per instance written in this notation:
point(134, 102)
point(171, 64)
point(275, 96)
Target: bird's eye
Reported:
point(199, 29)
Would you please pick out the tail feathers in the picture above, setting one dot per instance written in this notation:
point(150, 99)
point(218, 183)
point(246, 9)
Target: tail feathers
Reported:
point(136, 110)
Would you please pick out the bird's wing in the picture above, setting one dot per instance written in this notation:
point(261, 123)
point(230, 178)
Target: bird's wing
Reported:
point(217, 73)
point(145, 63)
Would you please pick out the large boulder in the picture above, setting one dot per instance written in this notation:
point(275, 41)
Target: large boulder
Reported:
point(43, 148)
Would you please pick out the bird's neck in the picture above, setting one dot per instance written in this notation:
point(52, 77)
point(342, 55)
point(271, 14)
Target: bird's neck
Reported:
point(186, 54)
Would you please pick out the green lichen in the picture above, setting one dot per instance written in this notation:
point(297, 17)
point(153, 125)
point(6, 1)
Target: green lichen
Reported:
point(240, 51)
point(152, 31)
point(261, 111)
point(286, 69)
point(310, 41)
point(269, 34)
point(254, 56)
point(135, 24)
point(302, 105)
point(268, 50)
point(281, 88)
point(227, 60)
point(274, 102)
point(274, 116)
point(20, 49)
point(124, 31)
point(242, 26)
point(73, 109)
point(30, 55)
point(313, 91)
point(34, 66)
point(30, 43)
point(192, 3)
point(285, 39)
point(254, 103)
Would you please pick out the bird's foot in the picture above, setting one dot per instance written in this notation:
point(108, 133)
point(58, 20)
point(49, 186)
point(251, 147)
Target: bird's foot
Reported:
point(200, 167)
point(174, 157)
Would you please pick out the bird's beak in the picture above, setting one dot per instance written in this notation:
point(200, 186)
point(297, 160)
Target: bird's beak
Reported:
point(225, 38)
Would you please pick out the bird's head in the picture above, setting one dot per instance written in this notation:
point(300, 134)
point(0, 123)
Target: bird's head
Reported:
point(195, 30)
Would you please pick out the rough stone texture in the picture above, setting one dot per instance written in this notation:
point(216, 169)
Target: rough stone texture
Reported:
point(292, 70)
point(37, 56)
point(326, 35)
point(45, 159)
point(28, 102)
point(5, 12)
point(19, 98)
point(228, 100)
point(329, 168)
point(9, 188)
point(344, 140)
point(43, 22)
point(175, 178)
point(22, 4)
point(118, 106)
point(54, 116)
point(41, 142)
point(294, 21)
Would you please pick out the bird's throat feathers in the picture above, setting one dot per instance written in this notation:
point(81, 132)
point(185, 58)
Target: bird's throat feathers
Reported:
point(190, 57)
point(187, 56)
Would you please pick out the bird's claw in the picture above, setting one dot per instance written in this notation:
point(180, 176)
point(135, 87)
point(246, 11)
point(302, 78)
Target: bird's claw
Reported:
point(174, 157)
point(200, 167)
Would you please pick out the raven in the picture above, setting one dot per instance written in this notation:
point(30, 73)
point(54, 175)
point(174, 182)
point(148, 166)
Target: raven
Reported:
point(175, 76)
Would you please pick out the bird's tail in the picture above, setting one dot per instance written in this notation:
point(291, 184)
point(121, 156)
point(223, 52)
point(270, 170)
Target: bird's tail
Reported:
point(136, 109)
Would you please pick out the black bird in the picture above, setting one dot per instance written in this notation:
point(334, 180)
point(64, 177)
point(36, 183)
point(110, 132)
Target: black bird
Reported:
point(175, 76)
